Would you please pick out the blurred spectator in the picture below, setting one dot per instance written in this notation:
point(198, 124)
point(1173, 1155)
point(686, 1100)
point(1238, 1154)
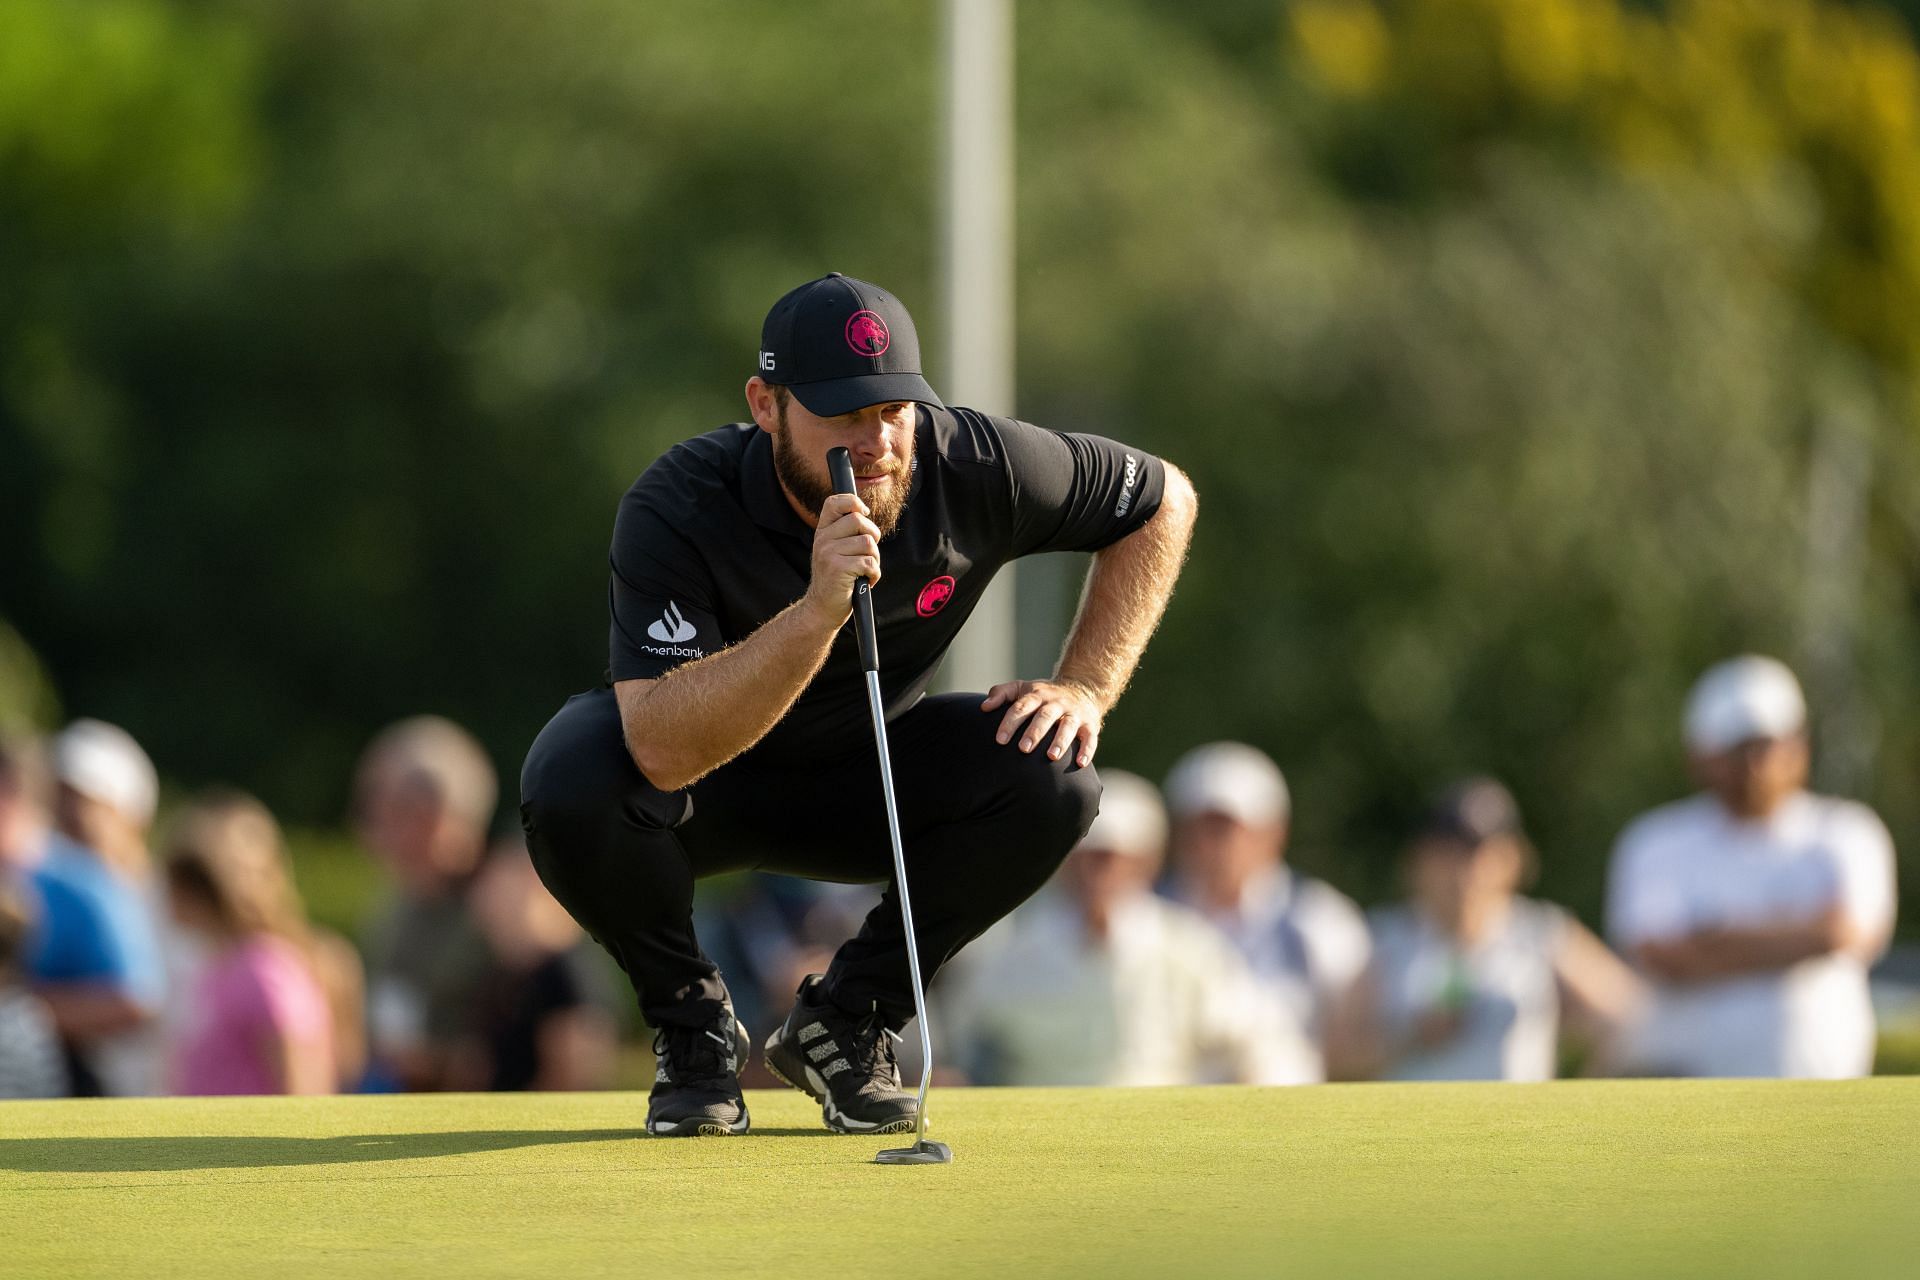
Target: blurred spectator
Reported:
point(94, 954)
point(1469, 980)
point(336, 963)
point(257, 1019)
point(1756, 907)
point(105, 797)
point(31, 1063)
point(542, 1020)
point(1306, 941)
point(23, 814)
point(1102, 982)
point(767, 933)
point(107, 793)
point(423, 799)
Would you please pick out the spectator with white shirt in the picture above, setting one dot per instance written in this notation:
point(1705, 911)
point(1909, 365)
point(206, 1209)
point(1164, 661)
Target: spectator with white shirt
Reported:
point(1098, 981)
point(1756, 906)
point(1470, 980)
point(1305, 941)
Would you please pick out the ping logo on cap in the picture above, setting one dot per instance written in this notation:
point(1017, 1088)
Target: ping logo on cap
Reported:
point(867, 333)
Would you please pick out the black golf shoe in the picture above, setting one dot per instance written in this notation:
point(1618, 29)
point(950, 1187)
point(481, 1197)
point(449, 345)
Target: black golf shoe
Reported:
point(696, 1080)
point(845, 1063)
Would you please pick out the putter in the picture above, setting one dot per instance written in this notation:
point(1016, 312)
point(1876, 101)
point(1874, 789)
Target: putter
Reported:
point(840, 465)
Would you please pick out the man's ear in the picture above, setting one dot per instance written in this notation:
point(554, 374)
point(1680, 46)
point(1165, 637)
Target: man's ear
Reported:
point(1700, 769)
point(761, 404)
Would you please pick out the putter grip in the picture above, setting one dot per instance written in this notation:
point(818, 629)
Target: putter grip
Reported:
point(840, 466)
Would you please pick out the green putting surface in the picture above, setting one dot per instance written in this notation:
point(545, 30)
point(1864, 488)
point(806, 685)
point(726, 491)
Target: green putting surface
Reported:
point(1626, 1178)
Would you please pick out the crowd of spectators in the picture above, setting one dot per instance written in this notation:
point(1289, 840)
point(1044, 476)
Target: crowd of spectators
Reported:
point(135, 962)
point(1742, 922)
point(1176, 944)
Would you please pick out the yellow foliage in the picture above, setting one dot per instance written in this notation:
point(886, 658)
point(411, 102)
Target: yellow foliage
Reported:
point(1748, 94)
point(1344, 42)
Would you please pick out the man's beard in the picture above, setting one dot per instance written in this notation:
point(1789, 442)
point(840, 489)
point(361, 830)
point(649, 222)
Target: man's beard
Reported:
point(884, 507)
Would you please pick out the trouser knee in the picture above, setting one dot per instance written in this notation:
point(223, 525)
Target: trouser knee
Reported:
point(1056, 803)
point(597, 830)
point(578, 775)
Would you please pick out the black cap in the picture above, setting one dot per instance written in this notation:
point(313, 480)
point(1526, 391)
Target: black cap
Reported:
point(1472, 812)
point(842, 344)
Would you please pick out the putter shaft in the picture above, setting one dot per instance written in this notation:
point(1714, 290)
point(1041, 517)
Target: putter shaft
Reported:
point(906, 906)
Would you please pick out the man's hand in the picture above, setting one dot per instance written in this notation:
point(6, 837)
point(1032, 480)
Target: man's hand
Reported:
point(1068, 709)
point(1436, 1028)
point(846, 548)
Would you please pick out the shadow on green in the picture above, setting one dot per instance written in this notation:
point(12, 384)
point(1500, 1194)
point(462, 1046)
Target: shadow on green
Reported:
point(164, 1154)
point(142, 1155)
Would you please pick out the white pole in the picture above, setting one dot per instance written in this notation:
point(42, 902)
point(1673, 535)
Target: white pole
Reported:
point(1839, 494)
point(977, 277)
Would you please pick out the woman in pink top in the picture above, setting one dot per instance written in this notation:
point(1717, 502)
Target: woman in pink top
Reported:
point(256, 1018)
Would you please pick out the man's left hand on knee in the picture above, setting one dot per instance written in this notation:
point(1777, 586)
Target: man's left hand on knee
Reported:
point(1066, 710)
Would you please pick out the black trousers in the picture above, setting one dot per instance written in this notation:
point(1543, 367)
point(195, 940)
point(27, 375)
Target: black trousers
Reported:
point(983, 826)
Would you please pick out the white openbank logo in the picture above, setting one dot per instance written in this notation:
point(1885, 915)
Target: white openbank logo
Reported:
point(672, 627)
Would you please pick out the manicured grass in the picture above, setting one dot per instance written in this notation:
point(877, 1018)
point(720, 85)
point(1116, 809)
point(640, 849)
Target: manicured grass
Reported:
point(1626, 1178)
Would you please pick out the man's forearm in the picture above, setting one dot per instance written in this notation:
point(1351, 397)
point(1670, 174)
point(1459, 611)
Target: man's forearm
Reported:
point(695, 718)
point(83, 1010)
point(1710, 954)
point(1126, 593)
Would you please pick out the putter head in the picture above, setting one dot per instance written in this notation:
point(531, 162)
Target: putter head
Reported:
point(921, 1152)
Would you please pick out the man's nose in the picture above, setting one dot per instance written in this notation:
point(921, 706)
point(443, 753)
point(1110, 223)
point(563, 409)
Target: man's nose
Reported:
point(872, 440)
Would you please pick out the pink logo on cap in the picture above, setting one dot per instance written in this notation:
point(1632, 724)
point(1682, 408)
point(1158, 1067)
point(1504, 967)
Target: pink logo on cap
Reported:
point(867, 333)
point(934, 596)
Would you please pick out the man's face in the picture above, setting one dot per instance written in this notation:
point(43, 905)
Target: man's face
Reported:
point(1752, 779)
point(93, 823)
point(1101, 879)
point(19, 815)
point(395, 817)
point(879, 438)
point(1218, 854)
point(1449, 877)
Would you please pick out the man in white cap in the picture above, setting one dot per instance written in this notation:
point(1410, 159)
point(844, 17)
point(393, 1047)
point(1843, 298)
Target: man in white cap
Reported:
point(1755, 907)
point(108, 791)
point(1101, 982)
point(97, 958)
point(1306, 942)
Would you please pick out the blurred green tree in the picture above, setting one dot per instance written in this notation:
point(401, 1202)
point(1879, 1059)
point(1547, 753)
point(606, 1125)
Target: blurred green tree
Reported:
point(1501, 338)
point(1760, 160)
point(27, 700)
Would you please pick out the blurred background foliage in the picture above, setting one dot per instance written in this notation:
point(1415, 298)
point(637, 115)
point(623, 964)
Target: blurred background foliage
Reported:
point(1529, 355)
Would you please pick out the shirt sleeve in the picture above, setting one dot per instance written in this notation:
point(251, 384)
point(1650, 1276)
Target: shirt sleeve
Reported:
point(661, 597)
point(1337, 934)
point(1863, 856)
point(1076, 492)
point(76, 941)
point(1641, 905)
point(285, 998)
point(1550, 924)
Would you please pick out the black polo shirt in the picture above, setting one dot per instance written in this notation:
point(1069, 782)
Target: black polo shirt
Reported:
point(706, 549)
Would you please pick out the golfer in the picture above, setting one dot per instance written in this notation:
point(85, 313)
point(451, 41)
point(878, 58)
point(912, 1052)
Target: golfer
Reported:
point(733, 732)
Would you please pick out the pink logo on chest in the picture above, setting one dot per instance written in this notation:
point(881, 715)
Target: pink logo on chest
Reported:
point(934, 596)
